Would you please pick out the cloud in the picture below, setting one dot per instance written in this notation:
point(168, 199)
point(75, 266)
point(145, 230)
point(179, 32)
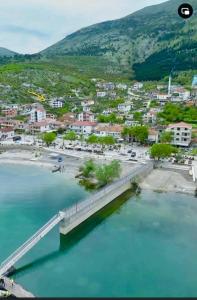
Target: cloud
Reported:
point(25, 31)
point(28, 26)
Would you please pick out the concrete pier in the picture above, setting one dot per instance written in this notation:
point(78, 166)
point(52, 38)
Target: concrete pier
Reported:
point(70, 218)
point(15, 289)
point(82, 211)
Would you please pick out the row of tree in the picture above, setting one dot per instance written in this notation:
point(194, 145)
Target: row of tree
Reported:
point(130, 134)
point(137, 133)
point(157, 151)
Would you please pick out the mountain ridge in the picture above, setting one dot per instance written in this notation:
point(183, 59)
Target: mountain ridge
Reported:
point(130, 42)
point(6, 52)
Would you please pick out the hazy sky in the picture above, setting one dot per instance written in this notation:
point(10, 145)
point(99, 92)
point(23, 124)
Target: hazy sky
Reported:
point(28, 26)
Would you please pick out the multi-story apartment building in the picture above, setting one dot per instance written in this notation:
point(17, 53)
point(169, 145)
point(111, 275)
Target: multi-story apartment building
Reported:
point(86, 117)
point(38, 114)
point(181, 134)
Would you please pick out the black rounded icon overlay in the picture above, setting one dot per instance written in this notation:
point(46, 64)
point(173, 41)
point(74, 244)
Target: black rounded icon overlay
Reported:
point(185, 10)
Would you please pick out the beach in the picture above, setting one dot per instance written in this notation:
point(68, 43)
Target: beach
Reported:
point(159, 180)
point(168, 181)
point(42, 159)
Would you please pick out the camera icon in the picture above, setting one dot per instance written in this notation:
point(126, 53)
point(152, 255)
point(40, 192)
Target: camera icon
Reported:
point(185, 10)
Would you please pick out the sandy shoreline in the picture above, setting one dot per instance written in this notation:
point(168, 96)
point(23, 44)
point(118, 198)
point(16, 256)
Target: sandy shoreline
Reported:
point(26, 162)
point(158, 180)
point(168, 181)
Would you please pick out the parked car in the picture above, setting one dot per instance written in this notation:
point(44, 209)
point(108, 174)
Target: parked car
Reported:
point(17, 138)
point(133, 154)
point(60, 159)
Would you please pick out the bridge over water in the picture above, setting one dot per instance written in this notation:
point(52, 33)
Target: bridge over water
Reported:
point(71, 217)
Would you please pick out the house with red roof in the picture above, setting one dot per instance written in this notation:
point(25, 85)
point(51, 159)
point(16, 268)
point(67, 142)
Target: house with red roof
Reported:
point(6, 133)
point(83, 127)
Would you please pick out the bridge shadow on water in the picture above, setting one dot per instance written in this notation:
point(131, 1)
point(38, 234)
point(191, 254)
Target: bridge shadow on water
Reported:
point(76, 235)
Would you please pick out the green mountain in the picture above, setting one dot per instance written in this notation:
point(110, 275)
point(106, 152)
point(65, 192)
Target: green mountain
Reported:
point(147, 44)
point(6, 52)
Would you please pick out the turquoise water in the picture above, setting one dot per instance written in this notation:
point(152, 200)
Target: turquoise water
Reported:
point(144, 247)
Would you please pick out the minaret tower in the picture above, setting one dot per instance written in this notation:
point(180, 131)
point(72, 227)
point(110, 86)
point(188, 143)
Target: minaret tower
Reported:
point(169, 85)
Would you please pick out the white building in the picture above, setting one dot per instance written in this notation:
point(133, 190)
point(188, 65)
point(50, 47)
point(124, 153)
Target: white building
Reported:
point(181, 134)
point(137, 86)
point(124, 107)
point(132, 123)
point(150, 117)
point(87, 102)
point(56, 103)
point(122, 86)
point(163, 97)
point(86, 108)
point(85, 128)
point(86, 117)
point(6, 133)
point(37, 115)
point(109, 130)
point(101, 94)
point(39, 127)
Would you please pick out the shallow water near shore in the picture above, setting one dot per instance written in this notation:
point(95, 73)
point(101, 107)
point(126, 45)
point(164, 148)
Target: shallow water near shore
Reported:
point(145, 246)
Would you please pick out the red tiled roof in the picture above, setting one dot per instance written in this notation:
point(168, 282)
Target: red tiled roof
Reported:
point(109, 128)
point(39, 124)
point(6, 129)
point(84, 123)
point(152, 131)
point(181, 124)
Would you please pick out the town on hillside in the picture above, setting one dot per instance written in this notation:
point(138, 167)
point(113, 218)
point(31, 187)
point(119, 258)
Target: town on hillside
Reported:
point(119, 118)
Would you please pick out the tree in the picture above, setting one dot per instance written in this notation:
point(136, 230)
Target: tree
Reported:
point(106, 140)
point(166, 137)
point(159, 151)
point(92, 139)
point(126, 133)
point(137, 116)
point(87, 168)
point(107, 173)
point(140, 133)
point(70, 136)
point(48, 138)
point(112, 118)
point(154, 103)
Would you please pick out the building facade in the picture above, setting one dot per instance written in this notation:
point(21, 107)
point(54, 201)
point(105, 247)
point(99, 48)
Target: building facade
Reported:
point(181, 134)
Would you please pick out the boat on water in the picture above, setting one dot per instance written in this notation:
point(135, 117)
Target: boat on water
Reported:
point(56, 169)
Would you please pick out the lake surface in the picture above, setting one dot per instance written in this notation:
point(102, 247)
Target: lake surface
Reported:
point(145, 246)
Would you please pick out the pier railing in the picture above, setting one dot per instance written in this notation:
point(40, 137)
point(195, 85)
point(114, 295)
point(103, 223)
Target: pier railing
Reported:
point(92, 203)
point(30, 243)
point(87, 204)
